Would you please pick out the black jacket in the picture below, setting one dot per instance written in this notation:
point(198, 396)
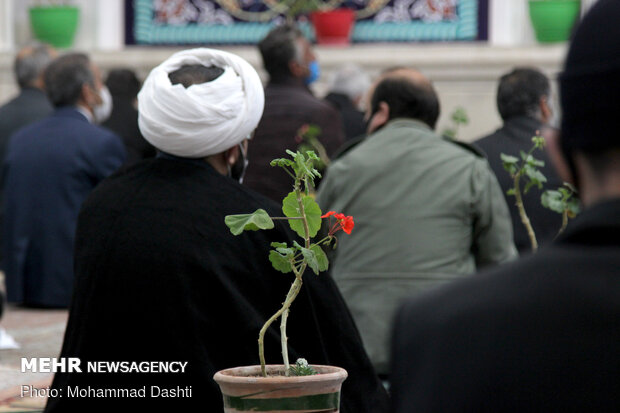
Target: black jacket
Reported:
point(540, 334)
point(160, 277)
point(515, 136)
point(288, 106)
point(352, 119)
point(124, 122)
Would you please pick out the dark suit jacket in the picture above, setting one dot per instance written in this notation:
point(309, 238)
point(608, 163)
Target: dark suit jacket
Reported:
point(29, 106)
point(288, 106)
point(124, 122)
point(50, 168)
point(515, 136)
point(540, 334)
point(157, 268)
point(352, 119)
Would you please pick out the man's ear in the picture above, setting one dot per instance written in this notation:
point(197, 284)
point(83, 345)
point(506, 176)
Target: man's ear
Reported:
point(89, 96)
point(296, 69)
point(546, 113)
point(379, 118)
point(552, 140)
point(231, 155)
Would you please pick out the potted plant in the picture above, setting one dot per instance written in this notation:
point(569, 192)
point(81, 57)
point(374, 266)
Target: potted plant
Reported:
point(332, 25)
point(553, 20)
point(54, 22)
point(299, 387)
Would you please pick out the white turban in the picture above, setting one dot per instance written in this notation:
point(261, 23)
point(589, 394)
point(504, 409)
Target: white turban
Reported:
point(205, 118)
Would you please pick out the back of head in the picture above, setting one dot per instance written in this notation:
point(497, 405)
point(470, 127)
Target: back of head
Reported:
point(350, 80)
point(65, 76)
point(590, 82)
point(123, 83)
point(200, 102)
point(407, 96)
point(278, 48)
point(30, 63)
point(188, 75)
point(519, 93)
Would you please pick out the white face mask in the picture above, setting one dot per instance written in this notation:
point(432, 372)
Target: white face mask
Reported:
point(102, 111)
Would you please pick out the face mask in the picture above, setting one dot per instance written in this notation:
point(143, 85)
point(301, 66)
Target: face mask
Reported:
point(237, 170)
point(102, 111)
point(315, 72)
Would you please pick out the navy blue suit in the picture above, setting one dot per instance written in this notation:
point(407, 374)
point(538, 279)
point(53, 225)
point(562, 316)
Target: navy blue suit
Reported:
point(50, 168)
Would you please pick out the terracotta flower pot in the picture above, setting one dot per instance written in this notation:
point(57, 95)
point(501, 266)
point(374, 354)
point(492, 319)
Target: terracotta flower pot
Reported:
point(244, 389)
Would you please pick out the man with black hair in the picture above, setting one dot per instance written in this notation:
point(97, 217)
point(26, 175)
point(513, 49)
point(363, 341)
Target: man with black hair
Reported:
point(539, 334)
point(291, 64)
point(50, 168)
point(160, 277)
point(427, 210)
point(524, 103)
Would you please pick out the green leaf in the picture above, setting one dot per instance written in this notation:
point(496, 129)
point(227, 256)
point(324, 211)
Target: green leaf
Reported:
point(290, 208)
point(508, 159)
point(280, 262)
point(535, 175)
point(511, 191)
point(535, 162)
point(539, 142)
point(552, 200)
point(313, 130)
point(321, 257)
point(259, 219)
point(450, 133)
point(282, 162)
point(310, 258)
point(459, 116)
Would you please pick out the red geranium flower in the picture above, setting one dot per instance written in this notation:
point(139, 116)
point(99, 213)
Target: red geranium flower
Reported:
point(343, 222)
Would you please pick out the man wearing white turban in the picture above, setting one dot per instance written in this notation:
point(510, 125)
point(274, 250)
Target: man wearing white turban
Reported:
point(161, 278)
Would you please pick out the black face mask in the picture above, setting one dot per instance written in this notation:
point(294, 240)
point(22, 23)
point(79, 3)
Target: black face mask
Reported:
point(237, 170)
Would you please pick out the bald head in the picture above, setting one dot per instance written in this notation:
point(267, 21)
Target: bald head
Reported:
point(403, 93)
point(30, 63)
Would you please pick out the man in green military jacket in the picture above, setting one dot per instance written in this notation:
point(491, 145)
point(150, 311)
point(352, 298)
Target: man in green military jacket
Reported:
point(426, 210)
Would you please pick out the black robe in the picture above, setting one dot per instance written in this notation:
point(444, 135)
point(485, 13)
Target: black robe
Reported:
point(159, 277)
point(537, 335)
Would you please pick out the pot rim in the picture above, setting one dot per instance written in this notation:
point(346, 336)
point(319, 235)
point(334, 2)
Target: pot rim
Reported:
point(328, 373)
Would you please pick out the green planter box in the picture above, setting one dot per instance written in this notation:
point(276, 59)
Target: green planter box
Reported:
point(553, 20)
point(55, 25)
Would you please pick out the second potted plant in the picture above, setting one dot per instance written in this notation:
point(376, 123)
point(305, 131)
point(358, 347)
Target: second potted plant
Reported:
point(299, 387)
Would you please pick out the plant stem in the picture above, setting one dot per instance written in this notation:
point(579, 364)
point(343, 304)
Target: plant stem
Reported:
point(564, 221)
point(290, 297)
point(522, 214)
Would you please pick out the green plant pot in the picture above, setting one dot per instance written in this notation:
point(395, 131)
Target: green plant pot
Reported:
point(553, 20)
point(55, 25)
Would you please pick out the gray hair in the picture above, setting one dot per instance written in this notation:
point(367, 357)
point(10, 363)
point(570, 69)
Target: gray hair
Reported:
point(30, 63)
point(65, 76)
point(350, 80)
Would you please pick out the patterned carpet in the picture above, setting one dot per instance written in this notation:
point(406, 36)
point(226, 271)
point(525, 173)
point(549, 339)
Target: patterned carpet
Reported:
point(39, 334)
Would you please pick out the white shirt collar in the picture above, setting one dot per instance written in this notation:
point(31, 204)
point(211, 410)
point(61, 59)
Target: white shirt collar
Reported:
point(85, 112)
